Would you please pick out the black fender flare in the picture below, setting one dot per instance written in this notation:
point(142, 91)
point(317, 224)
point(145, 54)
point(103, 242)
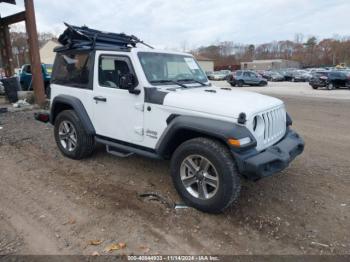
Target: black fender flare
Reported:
point(218, 129)
point(78, 107)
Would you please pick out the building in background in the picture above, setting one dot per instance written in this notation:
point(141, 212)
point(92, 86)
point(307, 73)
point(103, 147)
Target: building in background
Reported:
point(206, 64)
point(273, 64)
point(47, 54)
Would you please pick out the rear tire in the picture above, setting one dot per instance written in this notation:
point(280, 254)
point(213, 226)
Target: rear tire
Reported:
point(71, 137)
point(240, 83)
point(314, 87)
point(202, 161)
point(232, 84)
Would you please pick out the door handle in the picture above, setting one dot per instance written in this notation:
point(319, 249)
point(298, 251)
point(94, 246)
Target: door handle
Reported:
point(100, 98)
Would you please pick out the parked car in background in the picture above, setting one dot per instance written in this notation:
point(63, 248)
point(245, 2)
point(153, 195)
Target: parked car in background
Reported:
point(272, 76)
point(288, 74)
point(226, 73)
point(314, 70)
point(265, 74)
point(301, 76)
point(218, 75)
point(246, 77)
point(330, 79)
point(209, 74)
point(276, 77)
point(25, 77)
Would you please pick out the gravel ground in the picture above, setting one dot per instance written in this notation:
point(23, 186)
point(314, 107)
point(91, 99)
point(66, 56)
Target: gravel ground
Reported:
point(53, 205)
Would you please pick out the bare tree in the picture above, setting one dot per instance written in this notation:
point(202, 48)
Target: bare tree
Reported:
point(325, 52)
point(299, 38)
point(19, 42)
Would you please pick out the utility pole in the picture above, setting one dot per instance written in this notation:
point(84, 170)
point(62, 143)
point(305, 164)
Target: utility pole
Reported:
point(37, 76)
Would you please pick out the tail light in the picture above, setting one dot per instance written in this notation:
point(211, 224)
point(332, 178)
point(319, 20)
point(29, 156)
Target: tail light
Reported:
point(42, 117)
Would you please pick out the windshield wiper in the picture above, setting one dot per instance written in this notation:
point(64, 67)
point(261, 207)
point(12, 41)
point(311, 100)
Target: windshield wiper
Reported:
point(168, 81)
point(193, 80)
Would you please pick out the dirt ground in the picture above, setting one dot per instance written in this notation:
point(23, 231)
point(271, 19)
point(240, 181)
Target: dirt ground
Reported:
point(53, 205)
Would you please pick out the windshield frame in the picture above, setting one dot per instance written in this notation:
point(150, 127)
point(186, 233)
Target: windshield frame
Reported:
point(170, 83)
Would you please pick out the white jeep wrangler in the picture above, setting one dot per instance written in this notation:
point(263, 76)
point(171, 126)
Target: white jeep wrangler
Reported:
point(160, 104)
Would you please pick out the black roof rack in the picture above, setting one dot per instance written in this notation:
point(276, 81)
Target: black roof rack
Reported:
point(84, 38)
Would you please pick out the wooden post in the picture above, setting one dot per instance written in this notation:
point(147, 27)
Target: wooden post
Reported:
point(6, 51)
point(37, 76)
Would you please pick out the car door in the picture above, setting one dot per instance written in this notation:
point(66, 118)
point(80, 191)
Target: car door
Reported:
point(336, 79)
point(118, 114)
point(254, 78)
point(342, 79)
point(246, 77)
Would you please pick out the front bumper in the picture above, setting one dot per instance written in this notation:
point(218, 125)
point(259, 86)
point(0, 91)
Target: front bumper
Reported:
point(255, 165)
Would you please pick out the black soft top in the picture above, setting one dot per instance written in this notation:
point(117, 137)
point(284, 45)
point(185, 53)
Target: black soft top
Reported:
point(84, 38)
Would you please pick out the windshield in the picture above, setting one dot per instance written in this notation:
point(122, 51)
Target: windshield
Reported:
point(160, 68)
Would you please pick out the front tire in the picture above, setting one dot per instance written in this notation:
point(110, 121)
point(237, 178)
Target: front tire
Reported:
point(330, 86)
point(240, 83)
point(205, 175)
point(71, 137)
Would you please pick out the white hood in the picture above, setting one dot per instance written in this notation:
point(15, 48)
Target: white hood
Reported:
point(228, 103)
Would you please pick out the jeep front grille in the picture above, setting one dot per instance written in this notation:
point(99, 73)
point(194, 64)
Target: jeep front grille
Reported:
point(275, 125)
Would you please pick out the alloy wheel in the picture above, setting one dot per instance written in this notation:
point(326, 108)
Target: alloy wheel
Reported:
point(67, 136)
point(199, 177)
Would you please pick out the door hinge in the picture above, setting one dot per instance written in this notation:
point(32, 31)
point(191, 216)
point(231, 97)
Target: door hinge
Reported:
point(140, 107)
point(139, 130)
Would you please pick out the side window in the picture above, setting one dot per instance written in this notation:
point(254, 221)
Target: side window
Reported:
point(246, 74)
point(72, 70)
point(334, 75)
point(27, 69)
point(111, 69)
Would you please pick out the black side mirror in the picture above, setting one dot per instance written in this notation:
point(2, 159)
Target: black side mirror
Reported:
point(128, 81)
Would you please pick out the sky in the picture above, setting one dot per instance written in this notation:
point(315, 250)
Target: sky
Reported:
point(193, 23)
